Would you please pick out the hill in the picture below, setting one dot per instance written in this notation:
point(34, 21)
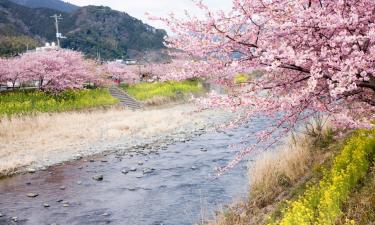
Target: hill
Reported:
point(51, 4)
point(90, 29)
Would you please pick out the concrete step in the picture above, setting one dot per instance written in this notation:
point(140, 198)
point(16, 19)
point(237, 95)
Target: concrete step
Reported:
point(124, 99)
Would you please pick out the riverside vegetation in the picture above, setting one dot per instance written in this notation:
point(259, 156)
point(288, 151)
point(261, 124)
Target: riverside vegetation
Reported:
point(27, 102)
point(302, 184)
point(163, 91)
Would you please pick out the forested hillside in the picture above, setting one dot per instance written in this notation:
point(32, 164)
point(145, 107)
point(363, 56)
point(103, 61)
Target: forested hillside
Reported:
point(92, 29)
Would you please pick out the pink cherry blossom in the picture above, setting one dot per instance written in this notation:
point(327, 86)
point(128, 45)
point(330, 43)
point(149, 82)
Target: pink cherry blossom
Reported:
point(121, 72)
point(317, 57)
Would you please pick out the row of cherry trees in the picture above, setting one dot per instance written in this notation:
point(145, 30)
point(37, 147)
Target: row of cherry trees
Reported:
point(65, 69)
point(318, 57)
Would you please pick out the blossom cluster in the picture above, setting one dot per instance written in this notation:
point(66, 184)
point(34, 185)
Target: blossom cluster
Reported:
point(50, 71)
point(317, 56)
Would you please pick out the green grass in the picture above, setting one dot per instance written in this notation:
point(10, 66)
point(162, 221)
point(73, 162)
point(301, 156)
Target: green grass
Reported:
point(28, 102)
point(147, 91)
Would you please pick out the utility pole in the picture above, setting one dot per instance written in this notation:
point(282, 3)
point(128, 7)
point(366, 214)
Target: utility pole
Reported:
point(58, 34)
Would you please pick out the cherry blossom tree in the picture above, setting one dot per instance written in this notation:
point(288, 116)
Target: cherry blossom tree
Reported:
point(122, 73)
point(3, 70)
point(317, 57)
point(57, 70)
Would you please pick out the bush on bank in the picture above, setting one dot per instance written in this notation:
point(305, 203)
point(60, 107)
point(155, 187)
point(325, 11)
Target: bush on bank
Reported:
point(321, 203)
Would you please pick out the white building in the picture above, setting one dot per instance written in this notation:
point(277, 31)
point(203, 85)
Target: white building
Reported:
point(47, 47)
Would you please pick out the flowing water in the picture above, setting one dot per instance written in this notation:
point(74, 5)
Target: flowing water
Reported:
point(174, 186)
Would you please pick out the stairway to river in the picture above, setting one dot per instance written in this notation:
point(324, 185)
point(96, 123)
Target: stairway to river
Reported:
point(125, 99)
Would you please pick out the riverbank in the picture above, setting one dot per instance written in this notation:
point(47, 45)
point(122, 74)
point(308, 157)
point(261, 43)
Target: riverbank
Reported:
point(320, 181)
point(30, 143)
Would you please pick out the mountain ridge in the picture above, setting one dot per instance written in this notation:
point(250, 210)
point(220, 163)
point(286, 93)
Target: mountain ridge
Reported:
point(51, 4)
point(91, 29)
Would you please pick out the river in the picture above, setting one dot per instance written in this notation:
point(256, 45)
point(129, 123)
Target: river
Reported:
point(175, 185)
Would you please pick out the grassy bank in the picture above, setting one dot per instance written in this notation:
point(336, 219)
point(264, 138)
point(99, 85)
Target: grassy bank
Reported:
point(28, 102)
point(311, 182)
point(163, 90)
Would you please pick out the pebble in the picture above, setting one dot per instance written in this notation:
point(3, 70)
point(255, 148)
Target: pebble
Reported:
point(1, 215)
point(31, 170)
point(132, 189)
point(79, 182)
point(125, 171)
point(46, 205)
point(194, 168)
point(133, 169)
point(91, 160)
point(66, 205)
point(140, 163)
point(62, 188)
point(32, 195)
point(98, 177)
point(105, 214)
point(15, 218)
point(60, 200)
point(104, 160)
point(78, 156)
point(203, 150)
point(139, 176)
point(28, 183)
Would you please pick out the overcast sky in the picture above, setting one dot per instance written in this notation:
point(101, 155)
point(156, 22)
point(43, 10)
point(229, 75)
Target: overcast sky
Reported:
point(138, 8)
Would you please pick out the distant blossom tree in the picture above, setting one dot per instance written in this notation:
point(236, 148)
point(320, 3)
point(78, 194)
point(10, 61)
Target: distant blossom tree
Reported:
point(56, 70)
point(317, 55)
point(122, 72)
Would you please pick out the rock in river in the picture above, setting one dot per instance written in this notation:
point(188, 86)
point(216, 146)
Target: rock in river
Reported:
point(148, 170)
point(125, 171)
point(98, 177)
point(32, 195)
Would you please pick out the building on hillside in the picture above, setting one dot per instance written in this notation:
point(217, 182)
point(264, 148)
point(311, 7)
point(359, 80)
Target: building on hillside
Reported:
point(48, 47)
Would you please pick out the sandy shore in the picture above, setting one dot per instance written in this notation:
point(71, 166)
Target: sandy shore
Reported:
point(34, 142)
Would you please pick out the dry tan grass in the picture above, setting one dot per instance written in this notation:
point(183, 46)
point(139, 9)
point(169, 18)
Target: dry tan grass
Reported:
point(47, 139)
point(276, 173)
